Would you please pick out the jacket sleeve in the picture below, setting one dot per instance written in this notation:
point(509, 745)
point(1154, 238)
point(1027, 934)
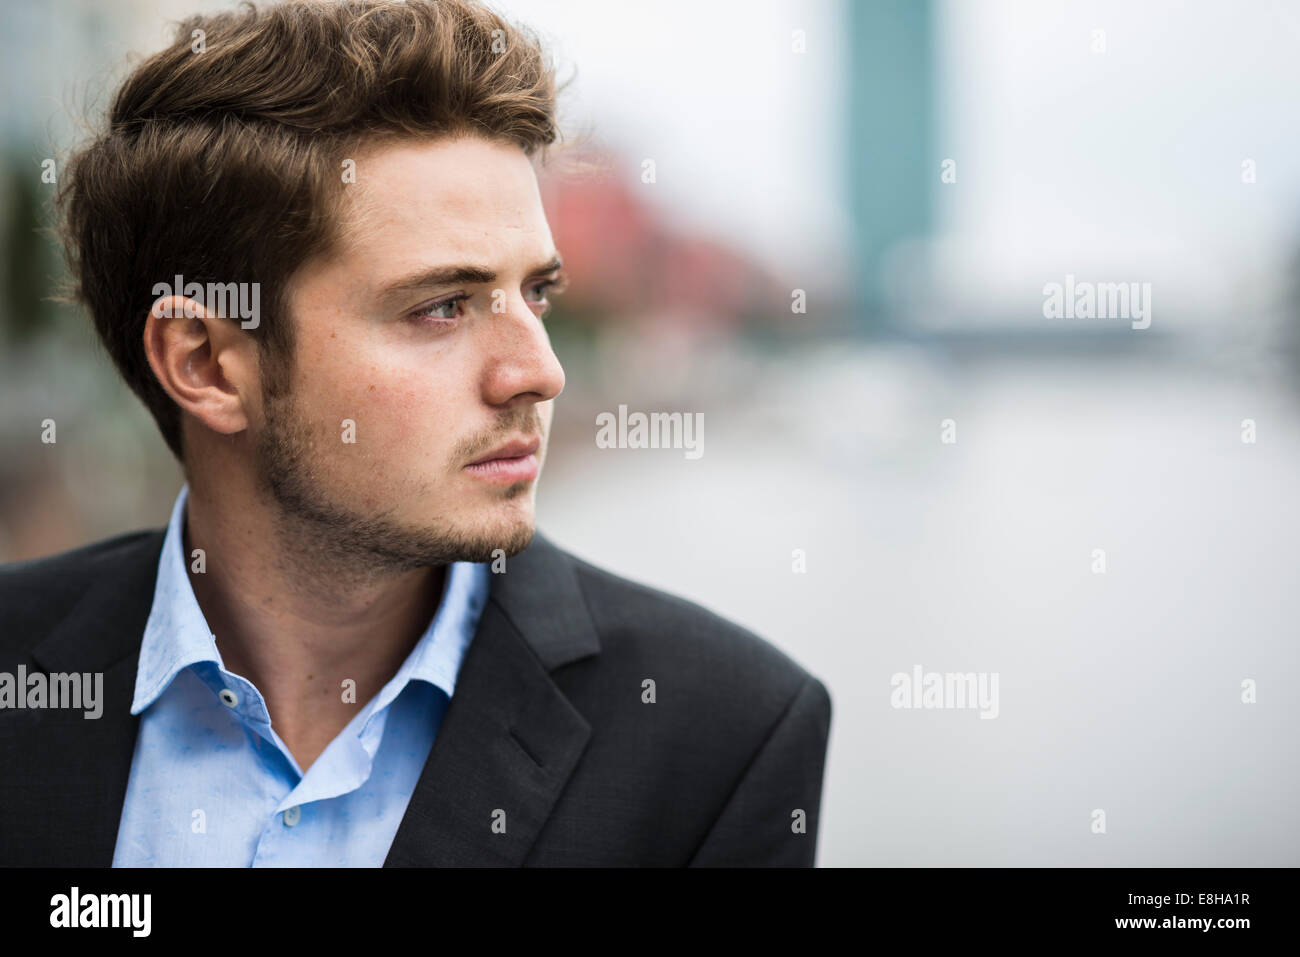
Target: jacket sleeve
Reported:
point(771, 818)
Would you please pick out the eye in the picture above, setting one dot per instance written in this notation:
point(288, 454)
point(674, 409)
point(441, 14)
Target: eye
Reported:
point(537, 292)
point(540, 292)
point(448, 308)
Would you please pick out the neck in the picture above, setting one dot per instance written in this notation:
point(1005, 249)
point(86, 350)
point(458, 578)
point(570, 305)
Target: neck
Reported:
point(298, 625)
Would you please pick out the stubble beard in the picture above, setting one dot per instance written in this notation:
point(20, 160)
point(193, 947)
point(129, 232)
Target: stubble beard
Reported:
point(330, 539)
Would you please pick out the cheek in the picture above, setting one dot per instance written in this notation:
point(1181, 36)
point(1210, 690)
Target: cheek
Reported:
point(407, 415)
point(406, 401)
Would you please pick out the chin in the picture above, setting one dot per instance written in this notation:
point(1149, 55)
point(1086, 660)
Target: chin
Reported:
point(509, 529)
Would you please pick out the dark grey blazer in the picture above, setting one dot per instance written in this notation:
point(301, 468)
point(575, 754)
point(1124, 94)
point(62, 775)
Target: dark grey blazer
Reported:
point(547, 724)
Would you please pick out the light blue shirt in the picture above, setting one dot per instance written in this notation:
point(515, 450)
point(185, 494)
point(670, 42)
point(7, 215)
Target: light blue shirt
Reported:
point(212, 784)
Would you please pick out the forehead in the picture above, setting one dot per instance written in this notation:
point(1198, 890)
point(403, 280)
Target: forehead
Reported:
point(468, 199)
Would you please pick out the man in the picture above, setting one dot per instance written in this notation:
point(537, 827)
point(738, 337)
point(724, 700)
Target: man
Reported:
point(312, 242)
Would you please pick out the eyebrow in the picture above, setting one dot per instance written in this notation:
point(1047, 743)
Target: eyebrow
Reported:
point(461, 273)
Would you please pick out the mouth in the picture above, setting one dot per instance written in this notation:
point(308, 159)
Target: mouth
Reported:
point(515, 461)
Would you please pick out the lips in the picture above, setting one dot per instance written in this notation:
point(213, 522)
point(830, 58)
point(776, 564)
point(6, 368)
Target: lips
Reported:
point(510, 463)
point(520, 448)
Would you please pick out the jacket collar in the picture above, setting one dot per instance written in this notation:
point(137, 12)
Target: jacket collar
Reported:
point(540, 595)
point(106, 625)
point(510, 738)
point(508, 742)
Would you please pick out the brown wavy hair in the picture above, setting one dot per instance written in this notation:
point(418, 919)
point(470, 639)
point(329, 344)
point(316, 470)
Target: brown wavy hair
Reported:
point(222, 156)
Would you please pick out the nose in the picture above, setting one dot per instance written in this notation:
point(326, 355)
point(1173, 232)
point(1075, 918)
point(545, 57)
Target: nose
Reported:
point(522, 368)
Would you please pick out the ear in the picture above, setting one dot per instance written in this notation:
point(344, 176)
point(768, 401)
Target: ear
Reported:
point(207, 364)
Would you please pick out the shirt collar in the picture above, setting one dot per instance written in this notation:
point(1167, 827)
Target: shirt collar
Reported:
point(176, 635)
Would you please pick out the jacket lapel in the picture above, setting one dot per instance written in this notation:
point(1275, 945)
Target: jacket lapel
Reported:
point(510, 739)
point(81, 796)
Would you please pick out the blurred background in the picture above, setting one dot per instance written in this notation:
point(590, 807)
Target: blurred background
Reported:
point(840, 260)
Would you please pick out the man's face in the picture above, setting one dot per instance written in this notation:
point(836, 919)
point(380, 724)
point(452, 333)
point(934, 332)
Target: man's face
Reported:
point(420, 350)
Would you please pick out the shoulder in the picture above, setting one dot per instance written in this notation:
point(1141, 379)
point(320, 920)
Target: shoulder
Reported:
point(680, 644)
point(37, 592)
point(705, 735)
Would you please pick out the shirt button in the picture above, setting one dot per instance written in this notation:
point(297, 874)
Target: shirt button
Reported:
point(228, 698)
point(292, 815)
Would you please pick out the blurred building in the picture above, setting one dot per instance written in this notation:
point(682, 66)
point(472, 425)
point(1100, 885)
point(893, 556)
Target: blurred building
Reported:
point(629, 264)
